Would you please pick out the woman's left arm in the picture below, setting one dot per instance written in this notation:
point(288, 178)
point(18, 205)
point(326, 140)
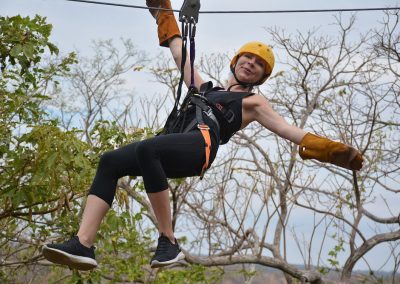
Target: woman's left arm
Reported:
point(311, 146)
point(261, 111)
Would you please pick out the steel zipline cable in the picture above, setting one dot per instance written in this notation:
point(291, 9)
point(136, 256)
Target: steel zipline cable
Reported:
point(244, 12)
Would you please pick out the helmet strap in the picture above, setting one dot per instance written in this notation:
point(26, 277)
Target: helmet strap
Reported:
point(240, 83)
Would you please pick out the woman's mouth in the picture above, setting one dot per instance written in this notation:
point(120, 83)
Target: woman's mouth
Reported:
point(247, 71)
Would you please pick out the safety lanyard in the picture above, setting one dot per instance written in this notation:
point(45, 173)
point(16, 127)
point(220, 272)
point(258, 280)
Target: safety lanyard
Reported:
point(186, 26)
point(188, 16)
point(192, 33)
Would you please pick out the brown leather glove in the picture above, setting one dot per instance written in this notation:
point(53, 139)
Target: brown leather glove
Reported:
point(167, 26)
point(325, 150)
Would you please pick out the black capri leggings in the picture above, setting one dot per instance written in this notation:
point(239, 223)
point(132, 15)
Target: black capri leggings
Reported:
point(156, 159)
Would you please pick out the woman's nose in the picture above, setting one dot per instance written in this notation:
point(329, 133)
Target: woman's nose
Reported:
point(251, 61)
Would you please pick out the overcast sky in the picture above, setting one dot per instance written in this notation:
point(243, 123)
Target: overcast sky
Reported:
point(77, 24)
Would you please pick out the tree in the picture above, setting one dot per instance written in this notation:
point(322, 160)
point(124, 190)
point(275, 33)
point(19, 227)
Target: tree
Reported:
point(95, 88)
point(31, 144)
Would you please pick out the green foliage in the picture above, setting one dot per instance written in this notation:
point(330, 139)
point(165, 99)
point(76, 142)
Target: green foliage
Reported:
point(43, 170)
point(35, 155)
point(121, 251)
point(334, 252)
point(247, 273)
point(107, 135)
point(23, 41)
point(23, 44)
point(41, 161)
point(129, 250)
point(323, 270)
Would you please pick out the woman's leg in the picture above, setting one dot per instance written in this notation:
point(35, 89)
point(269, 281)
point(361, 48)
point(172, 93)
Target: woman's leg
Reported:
point(112, 166)
point(78, 252)
point(173, 155)
point(162, 209)
point(94, 212)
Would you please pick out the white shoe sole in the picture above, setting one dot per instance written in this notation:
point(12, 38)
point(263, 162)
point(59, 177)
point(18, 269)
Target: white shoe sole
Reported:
point(156, 263)
point(73, 261)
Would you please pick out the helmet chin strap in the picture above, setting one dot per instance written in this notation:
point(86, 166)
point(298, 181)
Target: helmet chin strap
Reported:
point(244, 84)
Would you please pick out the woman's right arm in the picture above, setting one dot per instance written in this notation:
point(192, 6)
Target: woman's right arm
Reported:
point(175, 45)
point(170, 36)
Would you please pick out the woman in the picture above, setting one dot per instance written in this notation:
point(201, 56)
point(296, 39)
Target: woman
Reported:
point(180, 154)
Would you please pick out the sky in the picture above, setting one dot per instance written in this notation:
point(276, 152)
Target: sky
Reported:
point(76, 25)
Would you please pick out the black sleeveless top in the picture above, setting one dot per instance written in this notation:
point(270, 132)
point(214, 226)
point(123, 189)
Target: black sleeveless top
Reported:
point(227, 108)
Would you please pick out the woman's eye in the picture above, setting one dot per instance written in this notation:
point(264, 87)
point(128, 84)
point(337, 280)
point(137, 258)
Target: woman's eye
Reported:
point(260, 63)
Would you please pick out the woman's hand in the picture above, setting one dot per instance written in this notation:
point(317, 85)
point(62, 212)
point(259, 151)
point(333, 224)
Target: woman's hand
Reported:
point(325, 150)
point(166, 22)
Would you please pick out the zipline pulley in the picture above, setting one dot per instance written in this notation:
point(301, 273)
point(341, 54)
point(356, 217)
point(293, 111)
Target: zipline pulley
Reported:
point(188, 16)
point(190, 11)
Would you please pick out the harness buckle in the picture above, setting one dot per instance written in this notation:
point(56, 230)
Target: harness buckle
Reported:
point(229, 116)
point(200, 96)
point(209, 112)
point(203, 126)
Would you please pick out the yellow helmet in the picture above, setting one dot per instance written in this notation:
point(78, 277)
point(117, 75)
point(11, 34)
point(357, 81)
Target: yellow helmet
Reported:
point(260, 49)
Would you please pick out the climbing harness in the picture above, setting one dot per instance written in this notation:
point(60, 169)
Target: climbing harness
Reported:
point(188, 16)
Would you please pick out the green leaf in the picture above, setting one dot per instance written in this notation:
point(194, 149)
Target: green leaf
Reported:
point(51, 160)
point(16, 50)
point(29, 51)
point(53, 49)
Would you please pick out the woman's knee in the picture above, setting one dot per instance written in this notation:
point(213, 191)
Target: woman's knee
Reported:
point(108, 162)
point(145, 150)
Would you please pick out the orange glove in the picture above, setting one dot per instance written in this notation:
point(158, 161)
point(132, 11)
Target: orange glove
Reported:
point(325, 150)
point(167, 26)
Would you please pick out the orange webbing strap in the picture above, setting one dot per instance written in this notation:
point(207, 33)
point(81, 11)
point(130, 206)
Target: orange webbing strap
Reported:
point(205, 131)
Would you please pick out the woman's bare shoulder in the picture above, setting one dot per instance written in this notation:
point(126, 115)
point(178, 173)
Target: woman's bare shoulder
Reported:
point(255, 100)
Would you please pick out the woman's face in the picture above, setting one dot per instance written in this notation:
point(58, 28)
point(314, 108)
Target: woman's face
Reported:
point(249, 68)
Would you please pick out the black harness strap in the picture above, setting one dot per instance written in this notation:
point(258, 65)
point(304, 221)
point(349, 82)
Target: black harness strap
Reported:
point(172, 120)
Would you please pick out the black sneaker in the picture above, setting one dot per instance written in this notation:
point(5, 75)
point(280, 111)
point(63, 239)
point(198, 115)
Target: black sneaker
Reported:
point(166, 253)
point(71, 253)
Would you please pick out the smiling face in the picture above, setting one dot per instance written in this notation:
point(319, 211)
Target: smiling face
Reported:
point(252, 64)
point(250, 68)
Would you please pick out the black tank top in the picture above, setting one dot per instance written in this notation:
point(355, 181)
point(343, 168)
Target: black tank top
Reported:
point(231, 103)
